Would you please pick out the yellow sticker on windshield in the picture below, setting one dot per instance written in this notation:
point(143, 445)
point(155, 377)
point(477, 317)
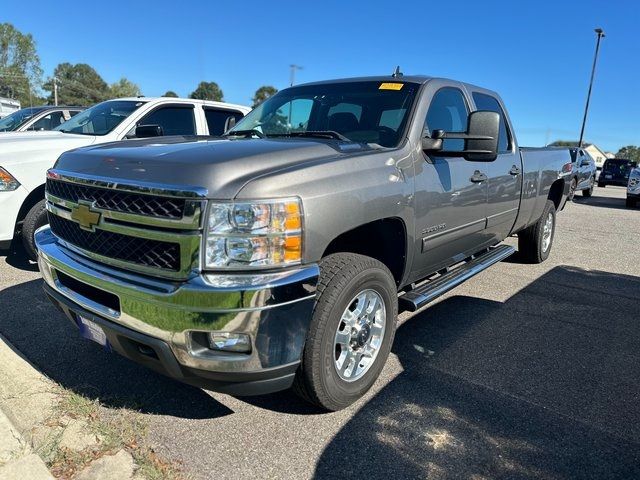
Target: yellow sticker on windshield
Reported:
point(391, 86)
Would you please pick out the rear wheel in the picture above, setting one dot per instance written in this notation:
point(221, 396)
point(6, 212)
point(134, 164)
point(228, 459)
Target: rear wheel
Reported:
point(351, 332)
point(535, 241)
point(36, 218)
point(589, 191)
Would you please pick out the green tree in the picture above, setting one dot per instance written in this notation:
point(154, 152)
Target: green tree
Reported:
point(207, 91)
point(170, 93)
point(630, 152)
point(263, 93)
point(20, 72)
point(564, 143)
point(124, 88)
point(78, 84)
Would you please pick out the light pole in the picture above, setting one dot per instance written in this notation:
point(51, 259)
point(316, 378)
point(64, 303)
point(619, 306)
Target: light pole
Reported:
point(600, 34)
point(292, 78)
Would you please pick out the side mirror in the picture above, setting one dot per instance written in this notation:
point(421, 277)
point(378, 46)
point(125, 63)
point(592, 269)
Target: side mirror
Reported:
point(148, 131)
point(584, 163)
point(480, 139)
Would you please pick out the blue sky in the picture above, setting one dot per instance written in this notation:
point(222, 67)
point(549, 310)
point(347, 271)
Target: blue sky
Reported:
point(537, 55)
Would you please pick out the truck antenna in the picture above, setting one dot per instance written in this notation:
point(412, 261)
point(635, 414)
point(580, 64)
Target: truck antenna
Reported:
point(397, 73)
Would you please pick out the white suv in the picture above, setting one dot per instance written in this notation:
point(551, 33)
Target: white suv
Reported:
point(26, 157)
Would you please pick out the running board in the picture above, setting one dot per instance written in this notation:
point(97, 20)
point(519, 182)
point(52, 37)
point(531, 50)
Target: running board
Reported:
point(420, 296)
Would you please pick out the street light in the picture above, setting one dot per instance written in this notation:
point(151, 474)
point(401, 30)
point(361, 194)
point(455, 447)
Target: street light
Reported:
point(600, 34)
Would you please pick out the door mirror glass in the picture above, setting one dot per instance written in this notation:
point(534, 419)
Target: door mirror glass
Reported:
point(147, 131)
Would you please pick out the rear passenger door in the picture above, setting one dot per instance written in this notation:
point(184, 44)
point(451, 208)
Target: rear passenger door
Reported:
point(219, 120)
point(505, 174)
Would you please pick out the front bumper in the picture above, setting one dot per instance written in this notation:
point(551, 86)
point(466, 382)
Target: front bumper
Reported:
point(172, 318)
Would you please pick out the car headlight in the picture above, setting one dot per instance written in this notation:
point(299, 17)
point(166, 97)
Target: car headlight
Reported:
point(260, 234)
point(7, 182)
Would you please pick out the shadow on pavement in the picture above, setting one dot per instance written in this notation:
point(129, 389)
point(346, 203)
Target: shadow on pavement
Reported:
point(48, 340)
point(542, 386)
point(617, 203)
point(17, 257)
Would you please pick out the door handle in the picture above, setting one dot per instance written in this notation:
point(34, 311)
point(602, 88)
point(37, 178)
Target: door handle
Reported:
point(478, 177)
point(514, 171)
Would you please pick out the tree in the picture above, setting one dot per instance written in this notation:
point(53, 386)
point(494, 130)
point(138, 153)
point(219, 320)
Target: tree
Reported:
point(207, 91)
point(20, 72)
point(78, 84)
point(564, 143)
point(124, 88)
point(630, 152)
point(263, 93)
point(170, 93)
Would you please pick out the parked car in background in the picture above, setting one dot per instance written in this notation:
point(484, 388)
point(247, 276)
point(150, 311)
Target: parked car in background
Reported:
point(37, 118)
point(583, 172)
point(8, 106)
point(280, 256)
point(615, 171)
point(633, 188)
point(26, 156)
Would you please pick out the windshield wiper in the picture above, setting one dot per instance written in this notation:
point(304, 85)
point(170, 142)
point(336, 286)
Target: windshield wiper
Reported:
point(314, 134)
point(244, 133)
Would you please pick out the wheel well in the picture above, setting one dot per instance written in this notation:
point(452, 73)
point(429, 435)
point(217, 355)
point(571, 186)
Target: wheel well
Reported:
point(556, 191)
point(384, 240)
point(34, 197)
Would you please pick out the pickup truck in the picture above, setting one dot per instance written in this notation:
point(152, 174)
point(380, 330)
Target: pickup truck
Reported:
point(279, 255)
point(37, 118)
point(26, 156)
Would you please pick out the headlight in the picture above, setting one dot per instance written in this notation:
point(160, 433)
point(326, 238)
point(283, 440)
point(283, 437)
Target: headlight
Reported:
point(259, 234)
point(7, 182)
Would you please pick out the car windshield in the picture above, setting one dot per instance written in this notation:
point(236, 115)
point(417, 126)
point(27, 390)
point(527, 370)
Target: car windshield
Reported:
point(101, 118)
point(371, 112)
point(13, 121)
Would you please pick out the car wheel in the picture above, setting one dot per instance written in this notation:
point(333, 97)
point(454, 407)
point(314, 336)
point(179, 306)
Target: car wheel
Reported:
point(535, 241)
point(36, 218)
point(572, 189)
point(351, 331)
point(589, 191)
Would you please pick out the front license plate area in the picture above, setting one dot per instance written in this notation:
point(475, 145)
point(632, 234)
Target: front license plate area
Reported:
point(92, 331)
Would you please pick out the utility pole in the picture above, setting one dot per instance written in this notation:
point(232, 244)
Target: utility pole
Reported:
point(293, 68)
point(600, 34)
point(55, 91)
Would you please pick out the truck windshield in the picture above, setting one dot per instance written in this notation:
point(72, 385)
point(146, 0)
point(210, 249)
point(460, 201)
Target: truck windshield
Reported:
point(101, 118)
point(371, 112)
point(13, 121)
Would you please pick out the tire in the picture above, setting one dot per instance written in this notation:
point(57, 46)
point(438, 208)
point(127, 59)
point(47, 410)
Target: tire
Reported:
point(532, 240)
point(631, 202)
point(36, 218)
point(344, 277)
point(601, 185)
point(572, 189)
point(589, 191)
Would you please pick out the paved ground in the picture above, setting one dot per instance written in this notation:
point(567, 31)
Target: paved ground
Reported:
point(524, 371)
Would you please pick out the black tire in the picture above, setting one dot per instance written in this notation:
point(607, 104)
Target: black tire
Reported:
point(36, 217)
point(531, 239)
point(572, 189)
point(589, 191)
point(342, 277)
point(631, 202)
point(601, 185)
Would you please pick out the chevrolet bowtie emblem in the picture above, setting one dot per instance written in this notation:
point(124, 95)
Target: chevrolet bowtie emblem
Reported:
point(86, 217)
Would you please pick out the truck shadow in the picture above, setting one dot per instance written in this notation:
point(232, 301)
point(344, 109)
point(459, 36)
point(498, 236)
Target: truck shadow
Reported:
point(49, 341)
point(16, 256)
point(544, 385)
point(617, 203)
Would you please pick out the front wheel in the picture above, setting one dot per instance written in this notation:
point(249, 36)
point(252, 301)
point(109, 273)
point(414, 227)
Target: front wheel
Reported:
point(534, 242)
point(589, 191)
point(351, 331)
point(36, 218)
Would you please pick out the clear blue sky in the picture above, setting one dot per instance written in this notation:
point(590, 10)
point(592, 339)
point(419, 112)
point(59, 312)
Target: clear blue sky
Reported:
point(537, 55)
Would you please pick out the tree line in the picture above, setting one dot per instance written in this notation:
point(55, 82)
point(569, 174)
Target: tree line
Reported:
point(630, 152)
point(21, 78)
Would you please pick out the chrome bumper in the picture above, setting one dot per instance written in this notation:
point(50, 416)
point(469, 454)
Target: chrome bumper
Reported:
point(274, 309)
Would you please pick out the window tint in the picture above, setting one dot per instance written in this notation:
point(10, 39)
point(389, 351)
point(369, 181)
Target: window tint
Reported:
point(101, 118)
point(347, 108)
point(392, 118)
point(448, 111)
point(293, 116)
point(173, 120)
point(487, 102)
point(219, 121)
point(48, 122)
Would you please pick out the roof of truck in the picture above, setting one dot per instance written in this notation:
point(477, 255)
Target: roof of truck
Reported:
point(209, 103)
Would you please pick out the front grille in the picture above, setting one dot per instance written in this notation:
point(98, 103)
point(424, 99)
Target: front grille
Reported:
point(141, 251)
point(118, 200)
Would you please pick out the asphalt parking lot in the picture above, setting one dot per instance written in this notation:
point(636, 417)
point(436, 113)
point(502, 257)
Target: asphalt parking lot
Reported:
point(526, 371)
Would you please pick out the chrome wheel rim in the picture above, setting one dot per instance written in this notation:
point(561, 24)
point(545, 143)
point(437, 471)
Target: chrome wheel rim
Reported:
point(359, 335)
point(547, 232)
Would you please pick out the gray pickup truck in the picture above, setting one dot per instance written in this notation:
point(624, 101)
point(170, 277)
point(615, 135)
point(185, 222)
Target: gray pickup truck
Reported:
point(279, 255)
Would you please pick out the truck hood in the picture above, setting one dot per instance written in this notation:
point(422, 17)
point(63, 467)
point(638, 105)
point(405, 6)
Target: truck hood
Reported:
point(17, 148)
point(221, 166)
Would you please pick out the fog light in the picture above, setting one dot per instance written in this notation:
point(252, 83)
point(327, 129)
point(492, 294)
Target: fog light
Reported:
point(230, 342)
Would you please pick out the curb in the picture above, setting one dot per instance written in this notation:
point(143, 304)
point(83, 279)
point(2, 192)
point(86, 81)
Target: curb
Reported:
point(26, 397)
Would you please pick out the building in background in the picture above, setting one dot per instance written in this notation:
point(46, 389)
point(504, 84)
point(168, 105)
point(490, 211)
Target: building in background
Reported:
point(598, 155)
point(7, 106)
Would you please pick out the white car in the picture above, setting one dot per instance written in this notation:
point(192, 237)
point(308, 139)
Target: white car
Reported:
point(25, 157)
point(633, 188)
point(38, 119)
